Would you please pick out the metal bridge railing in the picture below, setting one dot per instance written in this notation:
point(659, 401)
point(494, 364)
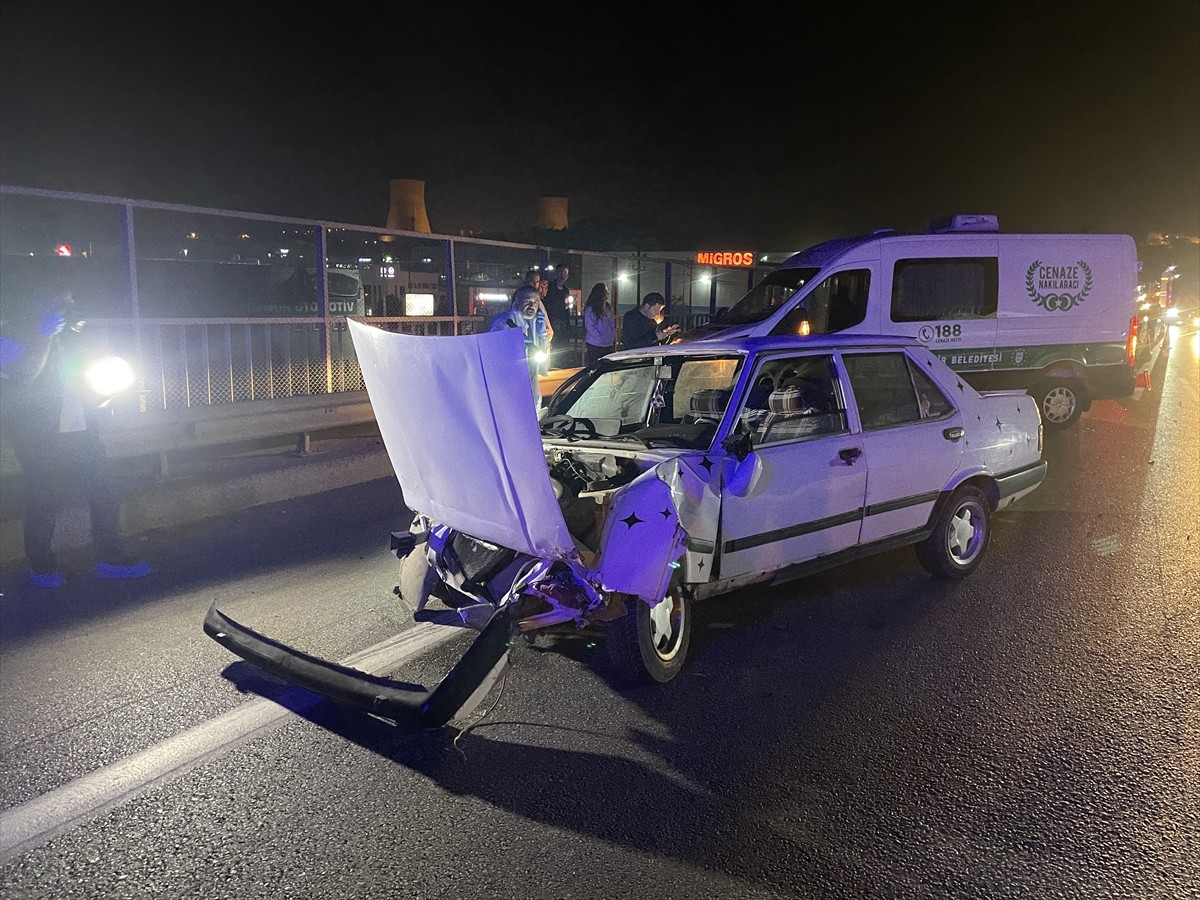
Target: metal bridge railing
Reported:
point(217, 307)
point(184, 363)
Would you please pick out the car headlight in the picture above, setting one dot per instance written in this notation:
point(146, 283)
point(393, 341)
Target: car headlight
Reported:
point(1172, 315)
point(540, 356)
point(108, 376)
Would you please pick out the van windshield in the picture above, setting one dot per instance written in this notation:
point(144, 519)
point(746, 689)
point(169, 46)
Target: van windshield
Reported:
point(768, 296)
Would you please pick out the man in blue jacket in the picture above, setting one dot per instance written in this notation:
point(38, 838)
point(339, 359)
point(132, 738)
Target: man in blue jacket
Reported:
point(524, 313)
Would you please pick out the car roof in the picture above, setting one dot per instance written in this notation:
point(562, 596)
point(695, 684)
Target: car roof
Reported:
point(829, 342)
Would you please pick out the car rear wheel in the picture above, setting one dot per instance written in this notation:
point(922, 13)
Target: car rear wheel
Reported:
point(960, 538)
point(1061, 402)
point(648, 644)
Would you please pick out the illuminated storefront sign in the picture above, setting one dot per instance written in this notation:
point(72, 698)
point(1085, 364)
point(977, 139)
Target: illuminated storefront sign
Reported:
point(418, 304)
point(742, 258)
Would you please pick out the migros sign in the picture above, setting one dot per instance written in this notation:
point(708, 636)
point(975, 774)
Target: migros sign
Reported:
point(743, 258)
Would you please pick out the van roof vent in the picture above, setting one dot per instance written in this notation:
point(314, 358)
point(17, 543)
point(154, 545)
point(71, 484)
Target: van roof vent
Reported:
point(963, 222)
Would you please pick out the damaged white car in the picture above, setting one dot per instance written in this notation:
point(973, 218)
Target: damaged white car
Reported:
point(657, 478)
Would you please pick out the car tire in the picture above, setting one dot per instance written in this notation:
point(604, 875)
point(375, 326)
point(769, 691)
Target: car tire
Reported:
point(648, 645)
point(960, 537)
point(1061, 402)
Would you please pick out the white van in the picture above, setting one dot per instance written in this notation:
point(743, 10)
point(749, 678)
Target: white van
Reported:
point(1053, 314)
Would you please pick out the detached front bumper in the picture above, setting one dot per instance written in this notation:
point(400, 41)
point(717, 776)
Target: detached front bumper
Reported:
point(456, 694)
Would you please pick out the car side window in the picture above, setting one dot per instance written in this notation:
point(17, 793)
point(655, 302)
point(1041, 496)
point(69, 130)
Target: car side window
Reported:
point(793, 398)
point(883, 389)
point(931, 402)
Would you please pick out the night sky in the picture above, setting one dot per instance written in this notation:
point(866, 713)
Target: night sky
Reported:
point(741, 127)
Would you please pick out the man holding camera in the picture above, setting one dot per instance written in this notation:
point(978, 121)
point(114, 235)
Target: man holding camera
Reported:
point(642, 326)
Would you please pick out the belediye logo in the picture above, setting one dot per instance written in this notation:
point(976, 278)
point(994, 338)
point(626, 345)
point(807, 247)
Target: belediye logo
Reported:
point(1058, 288)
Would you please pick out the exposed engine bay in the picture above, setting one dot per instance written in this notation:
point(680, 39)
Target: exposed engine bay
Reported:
point(582, 483)
point(475, 576)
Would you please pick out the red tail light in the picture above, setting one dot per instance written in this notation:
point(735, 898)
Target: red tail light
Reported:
point(1131, 344)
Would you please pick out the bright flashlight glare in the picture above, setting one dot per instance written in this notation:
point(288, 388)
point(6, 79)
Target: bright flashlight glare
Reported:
point(108, 376)
point(540, 356)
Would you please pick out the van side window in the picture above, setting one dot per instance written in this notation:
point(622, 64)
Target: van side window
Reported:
point(931, 289)
point(835, 304)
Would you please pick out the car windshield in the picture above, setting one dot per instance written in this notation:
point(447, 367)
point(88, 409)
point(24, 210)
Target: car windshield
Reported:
point(672, 400)
point(768, 296)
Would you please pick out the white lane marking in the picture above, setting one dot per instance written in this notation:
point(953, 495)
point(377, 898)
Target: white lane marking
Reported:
point(35, 821)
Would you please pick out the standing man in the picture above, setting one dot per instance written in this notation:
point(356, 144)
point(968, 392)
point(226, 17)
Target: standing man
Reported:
point(48, 409)
point(533, 279)
point(557, 295)
point(524, 314)
point(642, 326)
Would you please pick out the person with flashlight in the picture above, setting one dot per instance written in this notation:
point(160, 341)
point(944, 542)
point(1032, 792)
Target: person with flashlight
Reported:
point(526, 314)
point(51, 387)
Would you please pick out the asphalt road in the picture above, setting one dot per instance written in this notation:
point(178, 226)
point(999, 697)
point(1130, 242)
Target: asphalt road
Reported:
point(868, 732)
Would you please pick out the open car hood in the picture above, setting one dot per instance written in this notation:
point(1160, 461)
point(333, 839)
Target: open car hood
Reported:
point(459, 422)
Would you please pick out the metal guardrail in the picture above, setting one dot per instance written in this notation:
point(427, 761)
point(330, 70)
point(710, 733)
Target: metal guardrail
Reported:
point(203, 427)
point(206, 427)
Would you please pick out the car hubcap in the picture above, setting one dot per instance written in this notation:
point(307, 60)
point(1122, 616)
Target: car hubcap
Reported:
point(965, 535)
point(1059, 404)
point(666, 625)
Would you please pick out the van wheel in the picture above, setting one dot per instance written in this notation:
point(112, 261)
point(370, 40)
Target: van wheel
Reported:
point(960, 538)
point(648, 644)
point(1061, 402)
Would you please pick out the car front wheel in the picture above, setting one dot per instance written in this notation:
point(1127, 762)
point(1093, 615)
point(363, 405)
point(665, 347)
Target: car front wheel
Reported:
point(649, 643)
point(959, 539)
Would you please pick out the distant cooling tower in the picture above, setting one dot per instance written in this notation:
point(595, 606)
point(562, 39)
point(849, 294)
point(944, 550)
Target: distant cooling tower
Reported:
point(407, 209)
point(552, 213)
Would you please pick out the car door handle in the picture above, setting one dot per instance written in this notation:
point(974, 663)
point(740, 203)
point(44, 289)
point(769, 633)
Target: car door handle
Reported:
point(953, 434)
point(850, 455)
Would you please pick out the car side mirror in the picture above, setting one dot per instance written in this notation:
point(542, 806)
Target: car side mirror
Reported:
point(745, 475)
point(738, 445)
